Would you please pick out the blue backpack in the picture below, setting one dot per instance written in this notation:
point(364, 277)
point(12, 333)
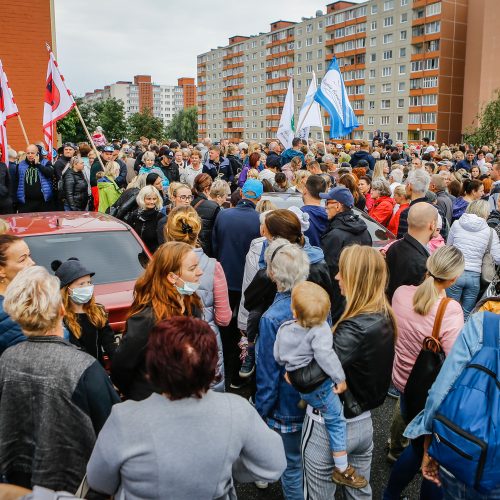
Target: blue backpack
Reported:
point(466, 427)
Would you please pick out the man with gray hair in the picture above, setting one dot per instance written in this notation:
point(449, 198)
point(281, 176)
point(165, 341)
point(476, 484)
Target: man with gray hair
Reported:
point(444, 201)
point(395, 179)
point(417, 185)
point(406, 259)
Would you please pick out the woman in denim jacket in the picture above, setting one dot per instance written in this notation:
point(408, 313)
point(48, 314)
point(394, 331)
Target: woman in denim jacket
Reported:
point(277, 401)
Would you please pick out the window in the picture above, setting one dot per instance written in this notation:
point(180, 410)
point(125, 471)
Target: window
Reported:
point(309, 56)
point(374, 9)
point(430, 81)
point(401, 103)
point(434, 27)
point(320, 53)
point(371, 104)
point(299, 44)
point(372, 74)
point(388, 21)
point(403, 35)
point(371, 120)
point(388, 5)
point(309, 68)
point(385, 104)
point(387, 55)
point(371, 89)
point(299, 57)
point(428, 118)
point(320, 66)
point(433, 9)
point(386, 87)
point(404, 17)
point(399, 136)
point(373, 25)
point(373, 57)
point(320, 39)
point(384, 120)
point(429, 99)
point(309, 42)
point(309, 28)
point(373, 41)
point(299, 70)
point(401, 86)
point(388, 38)
point(402, 52)
point(402, 69)
point(404, 2)
point(387, 71)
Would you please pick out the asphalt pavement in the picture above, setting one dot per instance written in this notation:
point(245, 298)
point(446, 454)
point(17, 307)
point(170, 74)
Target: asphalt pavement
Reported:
point(380, 471)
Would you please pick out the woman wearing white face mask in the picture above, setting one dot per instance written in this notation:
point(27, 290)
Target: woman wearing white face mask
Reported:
point(166, 289)
point(86, 321)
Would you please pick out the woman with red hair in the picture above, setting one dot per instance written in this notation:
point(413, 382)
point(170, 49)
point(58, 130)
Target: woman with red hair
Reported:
point(186, 441)
point(166, 289)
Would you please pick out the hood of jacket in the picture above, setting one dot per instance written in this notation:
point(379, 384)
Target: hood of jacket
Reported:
point(472, 222)
point(360, 155)
point(386, 200)
point(348, 221)
point(315, 254)
point(459, 207)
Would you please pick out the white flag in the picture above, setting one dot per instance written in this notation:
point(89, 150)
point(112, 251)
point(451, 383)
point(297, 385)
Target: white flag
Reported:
point(58, 101)
point(310, 114)
point(286, 129)
point(8, 109)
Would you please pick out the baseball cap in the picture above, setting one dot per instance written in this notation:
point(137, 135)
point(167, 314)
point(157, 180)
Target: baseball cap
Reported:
point(340, 194)
point(339, 146)
point(69, 145)
point(252, 189)
point(108, 149)
point(273, 161)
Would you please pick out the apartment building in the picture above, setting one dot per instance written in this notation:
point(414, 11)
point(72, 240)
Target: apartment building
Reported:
point(403, 63)
point(162, 100)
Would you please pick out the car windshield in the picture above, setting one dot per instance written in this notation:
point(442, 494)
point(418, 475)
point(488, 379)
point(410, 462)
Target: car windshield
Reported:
point(114, 256)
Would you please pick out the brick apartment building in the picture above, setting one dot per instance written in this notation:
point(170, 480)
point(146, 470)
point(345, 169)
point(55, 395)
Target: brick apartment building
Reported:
point(26, 26)
point(404, 63)
point(162, 100)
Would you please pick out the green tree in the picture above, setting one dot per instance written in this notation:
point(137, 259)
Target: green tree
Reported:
point(110, 115)
point(184, 126)
point(145, 124)
point(71, 128)
point(487, 131)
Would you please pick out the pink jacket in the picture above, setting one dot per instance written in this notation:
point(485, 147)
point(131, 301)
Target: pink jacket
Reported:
point(413, 328)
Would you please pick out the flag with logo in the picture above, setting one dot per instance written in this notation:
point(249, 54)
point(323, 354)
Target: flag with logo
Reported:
point(57, 104)
point(8, 109)
point(333, 97)
point(310, 113)
point(286, 129)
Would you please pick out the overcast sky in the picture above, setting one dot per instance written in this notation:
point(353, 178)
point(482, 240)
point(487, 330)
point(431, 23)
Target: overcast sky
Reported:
point(102, 41)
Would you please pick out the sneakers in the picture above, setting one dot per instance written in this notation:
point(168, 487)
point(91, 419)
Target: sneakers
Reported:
point(262, 485)
point(349, 478)
point(393, 392)
point(238, 382)
point(248, 365)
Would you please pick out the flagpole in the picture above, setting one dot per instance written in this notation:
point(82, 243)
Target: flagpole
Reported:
point(305, 116)
point(98, 156)
point(322, 129)
point(23, 130)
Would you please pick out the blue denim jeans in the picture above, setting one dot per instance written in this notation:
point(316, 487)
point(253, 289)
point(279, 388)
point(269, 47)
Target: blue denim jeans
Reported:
point(456, 490)
point(291, 480)
point(328, 403)
point(465, 290)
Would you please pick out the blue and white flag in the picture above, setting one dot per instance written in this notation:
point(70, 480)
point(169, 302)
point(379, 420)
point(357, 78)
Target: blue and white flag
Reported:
point(333, 97)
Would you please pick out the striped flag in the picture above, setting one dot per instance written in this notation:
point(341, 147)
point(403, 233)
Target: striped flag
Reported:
point(57, 104)
point(333, 97)
point(8, 109)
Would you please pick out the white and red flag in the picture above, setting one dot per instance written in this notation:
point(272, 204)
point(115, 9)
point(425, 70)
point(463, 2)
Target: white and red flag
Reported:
point(8, 109)
point(58, 101)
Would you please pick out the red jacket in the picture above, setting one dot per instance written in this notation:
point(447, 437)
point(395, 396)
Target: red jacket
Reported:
point(382, 210)
point(394, 224)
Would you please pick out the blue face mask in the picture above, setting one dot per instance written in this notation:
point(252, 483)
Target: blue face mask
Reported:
point(188, 288)
point(82, 295)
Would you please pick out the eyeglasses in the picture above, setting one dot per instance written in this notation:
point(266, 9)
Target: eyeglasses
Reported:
point(186, 197)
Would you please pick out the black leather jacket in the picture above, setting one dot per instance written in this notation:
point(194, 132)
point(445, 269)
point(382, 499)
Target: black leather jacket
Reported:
point(365, 347)
point(75, 189)
point(208, 211)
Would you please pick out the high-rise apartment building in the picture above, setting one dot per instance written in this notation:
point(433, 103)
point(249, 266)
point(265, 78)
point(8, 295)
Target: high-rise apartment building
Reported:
point(162, 100)
point(403, 63)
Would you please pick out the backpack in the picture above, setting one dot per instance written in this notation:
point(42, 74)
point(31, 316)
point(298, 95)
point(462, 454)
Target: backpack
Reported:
point(466, 427)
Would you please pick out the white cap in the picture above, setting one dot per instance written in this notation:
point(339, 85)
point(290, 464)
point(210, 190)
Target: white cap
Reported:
point(243, 145)
point(302, 216)
point(430, 149)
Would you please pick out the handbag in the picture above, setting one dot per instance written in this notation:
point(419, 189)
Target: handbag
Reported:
point(307, 378)
point(488, 270)
point(426, 368)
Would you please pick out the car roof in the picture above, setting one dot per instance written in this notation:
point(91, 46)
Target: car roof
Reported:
point(37, 223)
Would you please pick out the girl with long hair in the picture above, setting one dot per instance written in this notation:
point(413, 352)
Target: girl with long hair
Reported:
point(166, 289)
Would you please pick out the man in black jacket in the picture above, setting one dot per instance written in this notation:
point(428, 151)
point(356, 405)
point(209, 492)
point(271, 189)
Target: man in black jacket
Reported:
point(167, 165)
point(406, 259)
point(344, 228)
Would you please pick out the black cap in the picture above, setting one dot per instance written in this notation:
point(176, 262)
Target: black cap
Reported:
point(273, 161)
point(69, 271)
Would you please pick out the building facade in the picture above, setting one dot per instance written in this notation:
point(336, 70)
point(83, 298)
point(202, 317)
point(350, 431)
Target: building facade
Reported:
point(164, 101)
point(403, 62)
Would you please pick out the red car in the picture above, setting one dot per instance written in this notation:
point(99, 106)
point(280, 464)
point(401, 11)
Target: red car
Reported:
point(103, 244)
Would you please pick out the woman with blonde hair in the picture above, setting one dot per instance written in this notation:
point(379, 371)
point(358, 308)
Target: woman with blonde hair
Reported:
point(417, 309)
point(364, 340)
point(85, 319)
point(74, 186)
point(109, 192)
point(185, 225)
point(166, 289)
point(381, 170)
point(144, 220)
point(300, 179)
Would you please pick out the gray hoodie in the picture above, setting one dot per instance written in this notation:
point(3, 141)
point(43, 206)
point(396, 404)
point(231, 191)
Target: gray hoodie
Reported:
point(296, 346)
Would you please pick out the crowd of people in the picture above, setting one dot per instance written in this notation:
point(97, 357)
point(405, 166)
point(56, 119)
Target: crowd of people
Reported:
point(294, 302)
